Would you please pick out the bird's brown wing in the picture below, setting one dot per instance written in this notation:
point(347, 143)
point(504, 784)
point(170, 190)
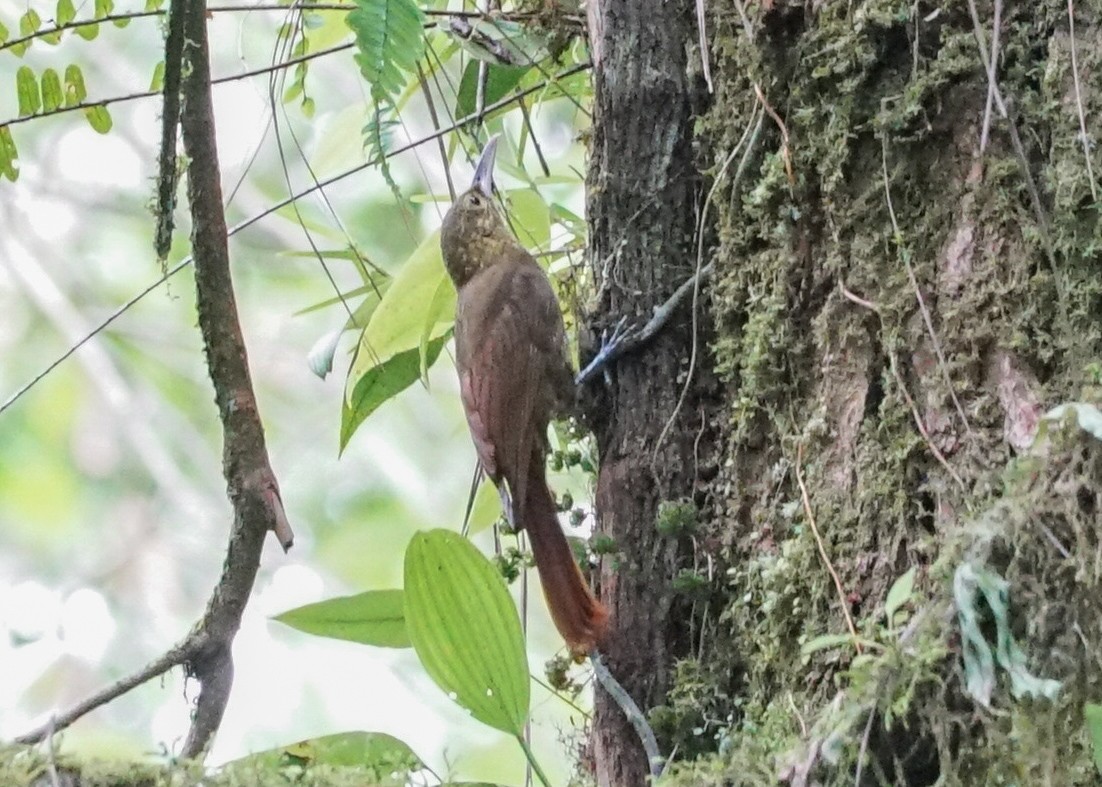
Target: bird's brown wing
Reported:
point(509, 350)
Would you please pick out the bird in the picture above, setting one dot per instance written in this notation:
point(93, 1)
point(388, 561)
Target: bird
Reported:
point(514, 376)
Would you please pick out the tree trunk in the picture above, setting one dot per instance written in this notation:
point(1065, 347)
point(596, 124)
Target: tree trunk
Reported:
point(906, 280)
point(642, 188)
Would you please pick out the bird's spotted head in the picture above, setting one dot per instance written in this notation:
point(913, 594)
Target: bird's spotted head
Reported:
point(474, 233)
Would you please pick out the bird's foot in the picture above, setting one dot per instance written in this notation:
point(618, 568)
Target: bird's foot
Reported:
point(612, 347)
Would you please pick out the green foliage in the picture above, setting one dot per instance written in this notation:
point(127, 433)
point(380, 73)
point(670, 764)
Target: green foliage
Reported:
point(899, 594)
point(75, 91)
point(465, 629)
point(52, 94)
point(500, 80)
point(382, 382)
point(8, 154)
point(676, 517)
point(1092, 715)
point(66, 12)
point(98, 118)
point(389, 40)
point(26, 85)
point(375, 752)
point(371, 618)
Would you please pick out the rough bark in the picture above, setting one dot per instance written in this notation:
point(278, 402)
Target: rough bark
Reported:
point(642, 189)
point(896, 305)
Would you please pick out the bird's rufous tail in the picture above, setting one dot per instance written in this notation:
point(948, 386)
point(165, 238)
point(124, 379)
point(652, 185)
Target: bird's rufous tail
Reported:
point(577, 613)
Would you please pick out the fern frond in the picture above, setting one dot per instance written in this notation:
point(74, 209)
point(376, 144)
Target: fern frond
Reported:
point(390, 40)
point(377, 140)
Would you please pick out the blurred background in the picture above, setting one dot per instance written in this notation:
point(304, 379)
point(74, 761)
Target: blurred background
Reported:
point(113, 513)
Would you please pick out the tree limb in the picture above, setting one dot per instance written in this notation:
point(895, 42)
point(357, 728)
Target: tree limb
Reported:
point(253, 491)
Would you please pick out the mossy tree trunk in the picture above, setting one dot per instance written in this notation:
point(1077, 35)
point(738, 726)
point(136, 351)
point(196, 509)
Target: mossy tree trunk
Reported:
point(906, 280)
point(642, 188)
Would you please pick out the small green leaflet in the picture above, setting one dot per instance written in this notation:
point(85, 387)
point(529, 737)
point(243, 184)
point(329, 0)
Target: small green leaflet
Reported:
point(26, 85)
point(158, 81)
point(8, 155)
point(371, 618)
point(465, 629)
point(66, 12)
point(899, 594)
point(75, 92)
point(98, 118)
point(52, 95)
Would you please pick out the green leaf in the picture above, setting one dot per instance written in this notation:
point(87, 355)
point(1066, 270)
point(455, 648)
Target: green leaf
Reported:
point(103, 8)
point(29, 23)
point(825, 642)
point(371, 618)
point(52, 95)
point(1092, 713)
point(383, 382)
point(4, 33)
point(154, 5)
point(465, 628)
point(98, 118)
point(377, 753)
point(26, 85)
point(389, 40)
point(158, 81)
point(409, 306)
point(66, 12)
point(531, 217)
point(75, 91)
point(88, 31)
point(8, 155)
point(486, 508)
point(500, 81)
point(899, 594)
point(971, 584)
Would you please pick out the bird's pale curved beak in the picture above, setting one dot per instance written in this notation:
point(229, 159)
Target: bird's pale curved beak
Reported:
point(484, 170)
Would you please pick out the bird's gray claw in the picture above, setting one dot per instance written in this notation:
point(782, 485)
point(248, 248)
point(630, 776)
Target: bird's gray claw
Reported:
point(611, 348)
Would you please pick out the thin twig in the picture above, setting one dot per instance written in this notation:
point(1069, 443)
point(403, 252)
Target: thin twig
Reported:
point(996, 29)
point(942, 365)
point(921, 426)
point(822, 549)
point(1079, 102)
point(159, 666)
point(150, 93)
point(702, 40)
point(631, 710)
point(864, 748)
point(747, 143)
point(436, 124)
point(234, 9)
point(662, 313)
point(1019, 150)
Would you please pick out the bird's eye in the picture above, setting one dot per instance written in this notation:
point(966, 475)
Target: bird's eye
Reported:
point(476, 200)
